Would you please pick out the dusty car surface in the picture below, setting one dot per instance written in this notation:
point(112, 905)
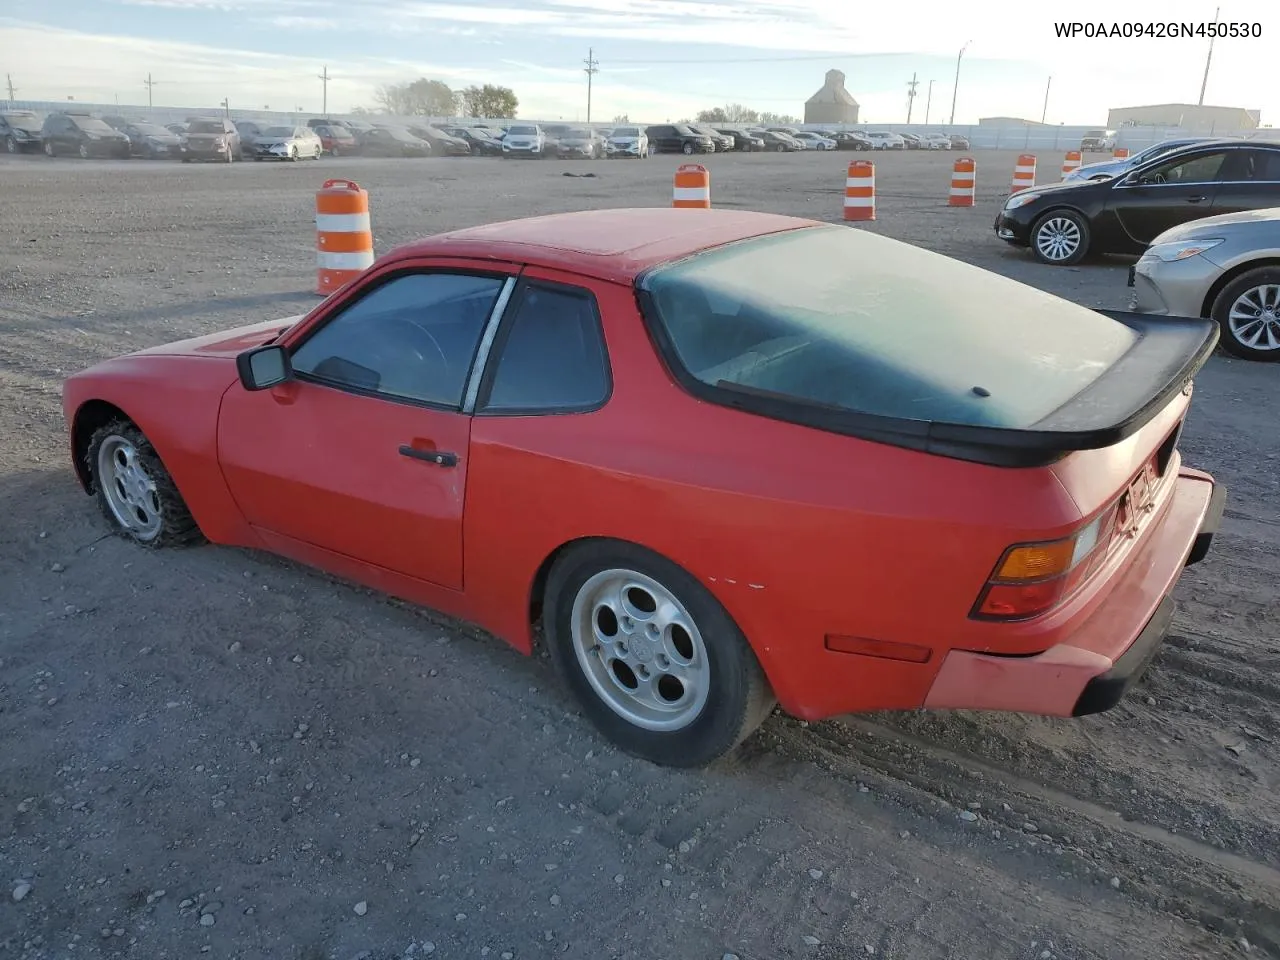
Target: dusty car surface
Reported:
point(720, 461)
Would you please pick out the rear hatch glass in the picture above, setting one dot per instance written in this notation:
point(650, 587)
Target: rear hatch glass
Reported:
point(838, 317)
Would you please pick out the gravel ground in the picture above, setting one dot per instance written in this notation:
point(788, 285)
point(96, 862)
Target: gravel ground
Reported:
point(213, 752)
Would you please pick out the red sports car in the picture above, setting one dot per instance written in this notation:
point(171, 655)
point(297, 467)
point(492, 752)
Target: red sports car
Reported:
point(725, 458)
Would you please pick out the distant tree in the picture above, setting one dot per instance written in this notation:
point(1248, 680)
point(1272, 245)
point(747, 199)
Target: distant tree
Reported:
point(622, 118)
point(363, 112)
point(498, 103)
point(730, 113)
point(421, 98)
point(779, 119)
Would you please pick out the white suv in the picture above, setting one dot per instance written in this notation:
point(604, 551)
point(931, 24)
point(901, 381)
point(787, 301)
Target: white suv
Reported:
point(627, 141)
point(524, 140)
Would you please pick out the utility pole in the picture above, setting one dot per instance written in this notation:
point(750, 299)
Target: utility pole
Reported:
point(956, 88)
point(928, 102)
point(149, 84)
point(1045, 112)
point(1208, 60)
point(592, 68)
point(323, 77)
point(8, 79)
point(226, 105)
point(911, 94)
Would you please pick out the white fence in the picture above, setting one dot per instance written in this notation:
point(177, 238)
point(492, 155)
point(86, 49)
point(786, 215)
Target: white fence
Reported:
point(1017, 137)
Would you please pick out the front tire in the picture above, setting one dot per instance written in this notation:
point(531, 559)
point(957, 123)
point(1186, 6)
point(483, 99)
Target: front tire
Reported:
point(1060, 238)
point(1248, 312)
point(84, 151)
point(11, 144)
point(656, 662)
point(134, 490)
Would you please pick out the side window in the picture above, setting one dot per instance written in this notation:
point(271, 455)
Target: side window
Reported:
point(1261, 165)
point(550, 354)
point(1200, 169)
point(412, 338)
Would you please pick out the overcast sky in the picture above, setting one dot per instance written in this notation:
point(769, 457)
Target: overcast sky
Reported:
point(658, 59)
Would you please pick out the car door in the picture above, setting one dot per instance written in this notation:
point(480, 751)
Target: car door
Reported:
point(1154, 198)
point(1250, 181)
point(365, 451)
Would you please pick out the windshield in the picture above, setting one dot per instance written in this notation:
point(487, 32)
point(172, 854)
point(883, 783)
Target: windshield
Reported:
point(92, 124)
point(577, 133)
point(523, 132)
point(22, 121)
point(799, 314)
point(627, 132)
point(205, 126)
point(278, 132)
point(150, 130)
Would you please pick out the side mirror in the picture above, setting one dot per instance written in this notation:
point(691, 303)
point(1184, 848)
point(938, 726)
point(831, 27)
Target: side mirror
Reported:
point(264, 367)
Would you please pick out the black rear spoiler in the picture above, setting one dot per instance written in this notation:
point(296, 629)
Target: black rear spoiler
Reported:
point(1169, 351)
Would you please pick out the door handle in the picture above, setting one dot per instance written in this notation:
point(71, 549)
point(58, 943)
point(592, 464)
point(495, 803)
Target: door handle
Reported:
point(1196, 199)
point(438, 457)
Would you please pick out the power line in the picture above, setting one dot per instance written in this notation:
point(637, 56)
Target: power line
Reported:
point(592, 68)
point(712, 60)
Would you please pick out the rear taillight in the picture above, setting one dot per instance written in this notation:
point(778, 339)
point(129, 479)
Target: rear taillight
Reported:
point(1033, 578)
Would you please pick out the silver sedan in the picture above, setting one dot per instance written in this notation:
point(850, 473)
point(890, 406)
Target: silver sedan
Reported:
point(1222, 267)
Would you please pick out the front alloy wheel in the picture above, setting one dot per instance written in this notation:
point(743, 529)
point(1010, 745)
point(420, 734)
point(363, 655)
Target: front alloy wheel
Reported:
point(1060, 237)
point(654, 659)
point(84, 151)
point(135, 491)
point(1248, 312)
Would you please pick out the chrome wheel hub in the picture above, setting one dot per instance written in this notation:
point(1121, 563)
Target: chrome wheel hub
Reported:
point(1058, 238)
point(640, 650)
point(129, 490)
point(1254, 319)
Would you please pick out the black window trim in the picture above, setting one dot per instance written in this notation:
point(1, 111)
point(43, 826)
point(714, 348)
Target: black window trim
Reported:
point(503, 332)
point(1167, 354)
point(478, 356)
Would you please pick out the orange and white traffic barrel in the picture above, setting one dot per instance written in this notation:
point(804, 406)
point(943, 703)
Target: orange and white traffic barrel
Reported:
point(1071, 162)
point(1120, 153)
point(860, 191)
point(344, 236)
point(692, 187)
point(1024, 173)
point(964, 183)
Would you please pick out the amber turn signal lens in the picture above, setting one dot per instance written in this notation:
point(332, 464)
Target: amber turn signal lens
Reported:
point(1037, 560)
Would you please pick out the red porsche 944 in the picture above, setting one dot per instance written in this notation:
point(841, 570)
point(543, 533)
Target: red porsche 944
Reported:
point(727, 459)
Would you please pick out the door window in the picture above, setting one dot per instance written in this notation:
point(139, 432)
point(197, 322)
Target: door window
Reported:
point(412, 338)
point(1257, 165)
point(1202, 168)
point(551, 355)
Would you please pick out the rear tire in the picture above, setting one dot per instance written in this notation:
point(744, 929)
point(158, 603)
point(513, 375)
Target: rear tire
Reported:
point(656, 662)
point(134, 490)
point(1248, 313)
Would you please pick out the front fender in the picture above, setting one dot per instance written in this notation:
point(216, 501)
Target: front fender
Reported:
point(174, 401)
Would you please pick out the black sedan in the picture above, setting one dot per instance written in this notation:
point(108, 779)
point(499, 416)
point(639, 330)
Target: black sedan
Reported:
point(152, 141)
point(393, 142)
point(20, 130)
point(482, 144)
point(677, 138)
point(1064, 222)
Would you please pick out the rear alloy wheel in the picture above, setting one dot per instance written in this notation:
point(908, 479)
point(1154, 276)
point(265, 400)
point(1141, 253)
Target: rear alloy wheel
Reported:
point(49, 150)
point(688, 148)
point(293, 154)
point(135, 491)
point(653, 658)
point(1248, 311)
point(84, 151)
point(1060, 237)
point(11, 144)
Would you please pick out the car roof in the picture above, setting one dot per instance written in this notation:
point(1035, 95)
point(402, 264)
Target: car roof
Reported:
point(614, 245)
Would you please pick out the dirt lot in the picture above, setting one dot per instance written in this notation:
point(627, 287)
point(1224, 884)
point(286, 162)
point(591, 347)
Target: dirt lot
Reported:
point(211, 752)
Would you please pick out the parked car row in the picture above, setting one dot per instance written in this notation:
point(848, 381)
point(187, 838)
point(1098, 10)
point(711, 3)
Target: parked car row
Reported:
point(1204, 216)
